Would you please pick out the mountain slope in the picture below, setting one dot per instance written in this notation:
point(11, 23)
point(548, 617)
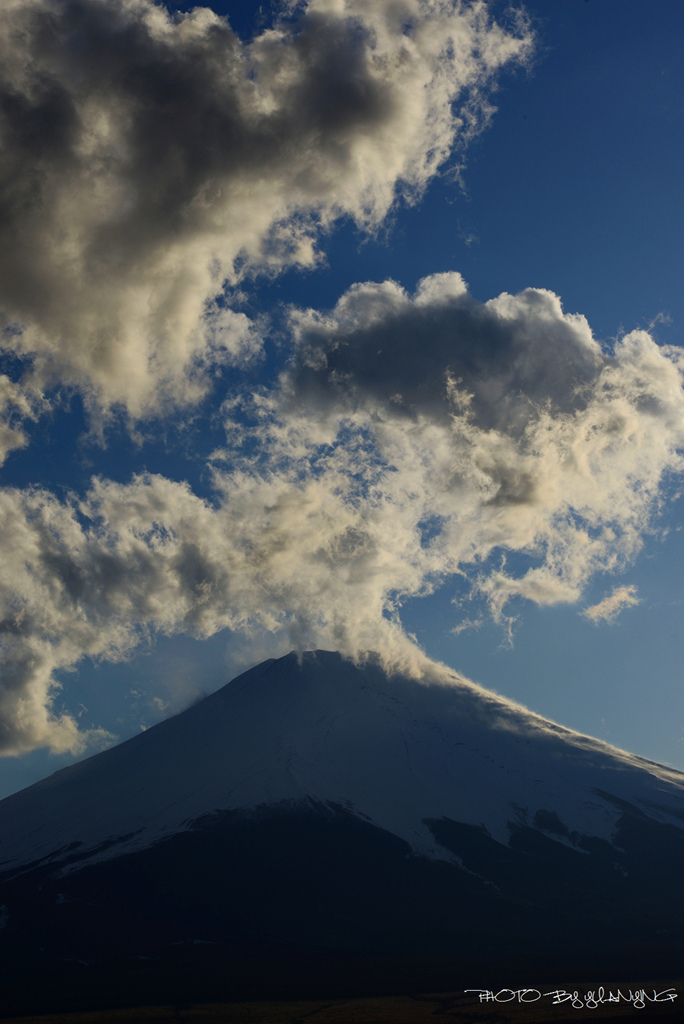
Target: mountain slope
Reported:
point(318, 826)
point(390, 750)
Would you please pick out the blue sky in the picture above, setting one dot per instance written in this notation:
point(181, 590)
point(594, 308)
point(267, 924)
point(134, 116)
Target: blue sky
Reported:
point(314, 480)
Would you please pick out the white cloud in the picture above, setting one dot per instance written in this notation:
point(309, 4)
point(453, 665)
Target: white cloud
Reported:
point(610, 607)
point(465, 625)
point(412, 438)
point(150, 160)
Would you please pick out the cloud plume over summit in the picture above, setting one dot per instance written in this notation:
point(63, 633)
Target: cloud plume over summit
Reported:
point(412, 439)
point(150, 161)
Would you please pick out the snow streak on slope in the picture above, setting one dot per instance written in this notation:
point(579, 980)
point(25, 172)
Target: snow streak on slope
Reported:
point(391, 750)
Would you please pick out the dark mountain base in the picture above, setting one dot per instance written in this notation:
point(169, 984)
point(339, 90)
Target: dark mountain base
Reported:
point(314, 902)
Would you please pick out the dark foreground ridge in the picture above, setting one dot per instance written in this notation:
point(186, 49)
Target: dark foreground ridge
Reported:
point(306, 898)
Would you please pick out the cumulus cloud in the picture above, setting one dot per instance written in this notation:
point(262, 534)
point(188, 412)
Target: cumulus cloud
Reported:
point(441, 353)
point(507, 421)
point(150, 161)
point(412, 439)
point(610, 607)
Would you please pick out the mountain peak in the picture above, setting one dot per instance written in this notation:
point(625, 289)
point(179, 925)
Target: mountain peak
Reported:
point(313, 804)
point(316, 726)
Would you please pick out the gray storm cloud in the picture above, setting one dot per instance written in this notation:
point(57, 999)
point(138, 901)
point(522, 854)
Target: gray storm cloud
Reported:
point(365, 476)
point(150, 161)
point(500, 361)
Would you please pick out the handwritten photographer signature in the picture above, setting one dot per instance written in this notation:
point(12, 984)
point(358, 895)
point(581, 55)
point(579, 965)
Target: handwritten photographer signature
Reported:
point(590, 1000)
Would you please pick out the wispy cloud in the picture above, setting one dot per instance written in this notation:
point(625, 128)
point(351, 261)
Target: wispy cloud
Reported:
point(610, 607)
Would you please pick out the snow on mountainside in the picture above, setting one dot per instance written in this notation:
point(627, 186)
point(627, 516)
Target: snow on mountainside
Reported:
point(393, 751)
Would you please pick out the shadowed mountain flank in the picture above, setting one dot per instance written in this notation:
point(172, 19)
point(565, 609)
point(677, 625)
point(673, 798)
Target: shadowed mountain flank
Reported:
point(320, 827)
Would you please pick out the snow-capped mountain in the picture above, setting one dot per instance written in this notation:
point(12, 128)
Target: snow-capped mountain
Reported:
point(327, 807)
point(392, 751)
